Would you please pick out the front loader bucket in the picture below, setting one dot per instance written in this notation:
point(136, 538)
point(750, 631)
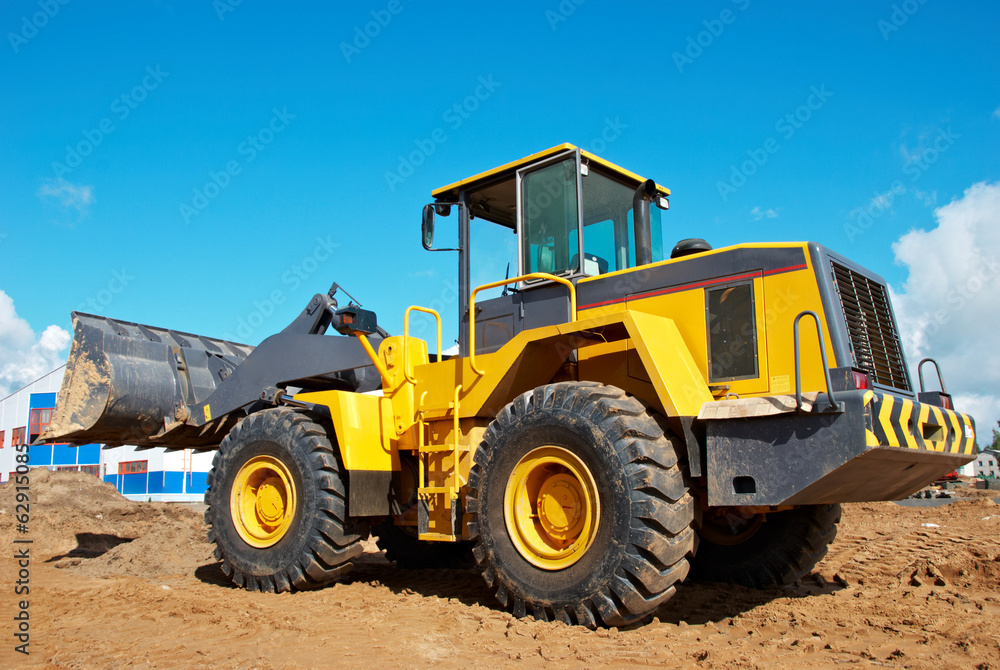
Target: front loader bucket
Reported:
point(126, 382)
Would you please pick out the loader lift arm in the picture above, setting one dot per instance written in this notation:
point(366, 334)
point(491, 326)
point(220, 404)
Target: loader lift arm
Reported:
point(128, 383)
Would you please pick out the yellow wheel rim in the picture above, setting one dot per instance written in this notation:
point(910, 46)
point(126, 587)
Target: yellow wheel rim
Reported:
point(263, 501)
point(551, 508)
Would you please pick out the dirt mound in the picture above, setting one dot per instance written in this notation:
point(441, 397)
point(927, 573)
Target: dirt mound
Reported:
point(78, 520)
point(64, 490)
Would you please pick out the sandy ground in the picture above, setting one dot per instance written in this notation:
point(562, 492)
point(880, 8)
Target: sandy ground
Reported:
point(117, 584)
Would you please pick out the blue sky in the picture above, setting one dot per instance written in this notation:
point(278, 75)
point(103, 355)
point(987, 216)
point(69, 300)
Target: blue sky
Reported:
point(240, 156)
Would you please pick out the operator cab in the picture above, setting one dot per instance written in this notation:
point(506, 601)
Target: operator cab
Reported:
point(560, 200)
point(557, 203)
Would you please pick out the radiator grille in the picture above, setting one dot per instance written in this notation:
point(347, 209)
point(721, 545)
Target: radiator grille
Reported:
point(874, 338)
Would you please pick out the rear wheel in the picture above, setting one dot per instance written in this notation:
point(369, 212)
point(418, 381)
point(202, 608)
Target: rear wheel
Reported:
point(581, 513)
point(277, 504)
point(763, 551)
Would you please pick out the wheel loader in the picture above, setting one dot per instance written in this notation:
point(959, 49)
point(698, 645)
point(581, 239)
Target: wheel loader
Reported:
point(623, 416)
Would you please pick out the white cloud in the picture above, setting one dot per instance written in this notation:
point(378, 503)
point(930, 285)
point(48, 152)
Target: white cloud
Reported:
point(996, 113)
point(949, 305)
point(757, 213)
point(23, 357)
point(69, 195)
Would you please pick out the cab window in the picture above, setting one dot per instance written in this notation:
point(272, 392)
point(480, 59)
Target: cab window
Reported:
point(608, 231)
point(550, 234)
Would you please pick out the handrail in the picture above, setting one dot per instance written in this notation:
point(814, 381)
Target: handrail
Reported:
point(376, 361)
point(504, 282)
point(920, 374)
point(458, 433)
point(406, 338)
point(822, 352)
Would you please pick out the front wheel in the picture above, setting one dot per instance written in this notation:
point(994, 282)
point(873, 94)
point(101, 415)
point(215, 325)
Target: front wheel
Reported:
point(277, 504)
point(580, 511)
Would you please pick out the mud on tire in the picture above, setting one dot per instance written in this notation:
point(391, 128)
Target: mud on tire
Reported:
point(640, 535)
point(316, 541)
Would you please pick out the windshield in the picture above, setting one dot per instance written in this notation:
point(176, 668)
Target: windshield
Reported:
point(550, 237)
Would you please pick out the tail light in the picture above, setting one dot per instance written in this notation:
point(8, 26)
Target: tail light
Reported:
point(861, 381)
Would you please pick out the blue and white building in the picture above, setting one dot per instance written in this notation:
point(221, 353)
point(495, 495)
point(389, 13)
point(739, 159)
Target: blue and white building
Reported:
point(140, 474)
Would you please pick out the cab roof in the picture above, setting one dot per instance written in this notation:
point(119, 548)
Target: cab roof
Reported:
point(450, 192)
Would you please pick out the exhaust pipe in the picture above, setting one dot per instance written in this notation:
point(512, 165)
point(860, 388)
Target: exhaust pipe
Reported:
point(641, 199)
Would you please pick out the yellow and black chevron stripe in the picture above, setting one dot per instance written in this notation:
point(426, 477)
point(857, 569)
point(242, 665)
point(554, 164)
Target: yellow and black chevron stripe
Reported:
point(898, 422)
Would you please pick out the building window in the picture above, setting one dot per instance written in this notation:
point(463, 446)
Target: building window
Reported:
point(2, 436)
point(38, 420)
point(132, 467)
point(89, 469)
point(17, 436)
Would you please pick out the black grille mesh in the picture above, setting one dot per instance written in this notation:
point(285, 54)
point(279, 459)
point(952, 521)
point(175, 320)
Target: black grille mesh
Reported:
point(874, 338)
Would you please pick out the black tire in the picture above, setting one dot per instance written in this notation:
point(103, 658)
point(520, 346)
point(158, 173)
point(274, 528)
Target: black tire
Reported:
point(319, 541)
point(409, 553)
point(639, 544)
point(760, 552)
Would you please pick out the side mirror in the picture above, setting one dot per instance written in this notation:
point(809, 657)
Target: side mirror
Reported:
point(427, 224)
point(427, 227)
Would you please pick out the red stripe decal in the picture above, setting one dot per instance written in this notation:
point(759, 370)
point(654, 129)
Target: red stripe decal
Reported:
point(790, 268)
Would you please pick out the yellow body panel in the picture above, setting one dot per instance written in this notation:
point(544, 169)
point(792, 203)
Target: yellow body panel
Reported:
point(363, 425)
point(674, 373)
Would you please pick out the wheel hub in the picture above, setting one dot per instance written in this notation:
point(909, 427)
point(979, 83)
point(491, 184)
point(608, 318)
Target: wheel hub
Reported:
point(263, 500)
point(270, 502)
point(561, 504)
point(551, 508)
